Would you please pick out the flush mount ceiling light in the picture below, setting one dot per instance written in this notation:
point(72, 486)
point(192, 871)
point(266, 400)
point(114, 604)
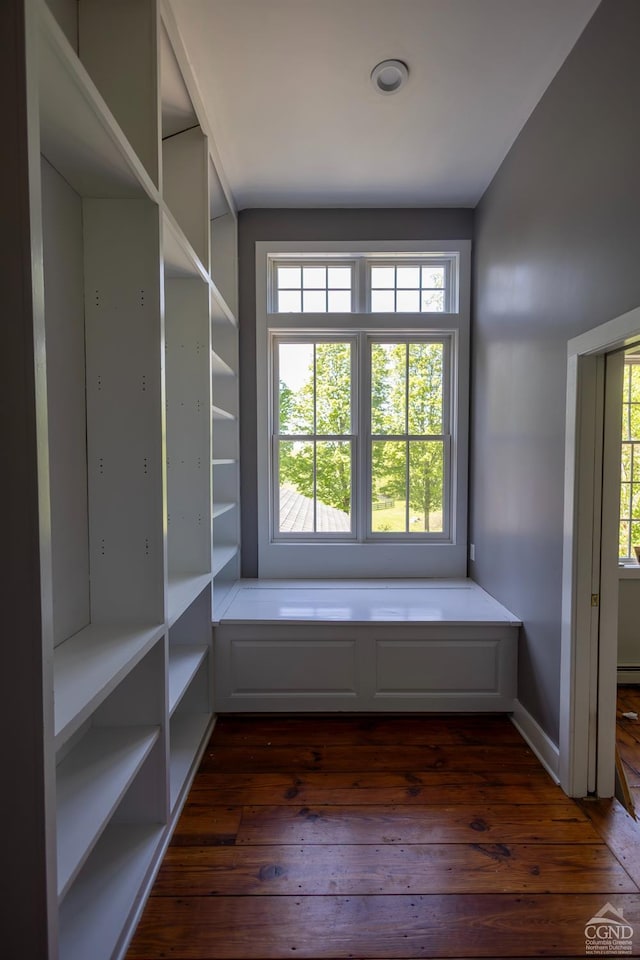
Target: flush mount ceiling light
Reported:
point(389, 75)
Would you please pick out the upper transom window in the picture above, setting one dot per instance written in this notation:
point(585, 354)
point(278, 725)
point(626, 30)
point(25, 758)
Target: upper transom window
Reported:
point(424, 284)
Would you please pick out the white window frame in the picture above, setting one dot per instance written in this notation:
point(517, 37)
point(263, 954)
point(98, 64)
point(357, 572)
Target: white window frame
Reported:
point(631, 360)
point(373, 556)
point(276, 436)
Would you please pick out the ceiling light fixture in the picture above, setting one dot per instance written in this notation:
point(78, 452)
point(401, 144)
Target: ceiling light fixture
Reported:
point(389, 75)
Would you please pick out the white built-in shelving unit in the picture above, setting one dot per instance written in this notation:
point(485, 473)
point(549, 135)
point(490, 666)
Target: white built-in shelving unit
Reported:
point(138, 301)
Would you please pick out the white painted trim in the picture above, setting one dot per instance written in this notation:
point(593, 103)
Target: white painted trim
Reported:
point(542, 745)
point(580, 574)
point(629, 674)
point(609, 579)
point(145, 891)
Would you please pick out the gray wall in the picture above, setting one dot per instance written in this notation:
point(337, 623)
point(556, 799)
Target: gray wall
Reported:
point(280, 225)
point(557, 248)
point(629, 623)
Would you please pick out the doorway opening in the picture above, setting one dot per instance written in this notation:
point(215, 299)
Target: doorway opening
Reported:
point(590, 587)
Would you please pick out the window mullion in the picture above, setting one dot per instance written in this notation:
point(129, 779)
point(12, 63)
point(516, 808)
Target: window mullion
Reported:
point(364, 429)
point(406, 430)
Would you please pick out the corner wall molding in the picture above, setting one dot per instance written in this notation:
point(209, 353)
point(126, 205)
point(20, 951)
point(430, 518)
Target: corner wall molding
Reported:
point(542, 745)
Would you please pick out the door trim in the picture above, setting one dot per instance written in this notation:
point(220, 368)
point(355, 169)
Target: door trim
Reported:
point(586, 760)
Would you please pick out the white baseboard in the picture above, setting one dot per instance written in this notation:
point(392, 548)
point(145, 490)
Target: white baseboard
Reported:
point(629, 674)
point(544, 748)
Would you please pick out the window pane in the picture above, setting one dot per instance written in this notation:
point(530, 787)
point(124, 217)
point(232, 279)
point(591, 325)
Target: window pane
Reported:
point(289, 277)
point(625, 500)
point(426, 486)
point(634, 378)
point(333, 388)
point(383, 277)
point(315, 277)
point(624, 545)
point(388, 393)
point(315, 301)
point(635, 534)
point(408, 301)
point(635, 501)
point(425, 388)
point(408, 277)
point(625, 473)
point(295, 401)
point(289, 301)
point(339, 301)
point(634, 421)
point(333, 486)
point(296, 486)
point(433, 277)
point(389, 486)
point(339, 278)
point(383, 301)
point(432, 301)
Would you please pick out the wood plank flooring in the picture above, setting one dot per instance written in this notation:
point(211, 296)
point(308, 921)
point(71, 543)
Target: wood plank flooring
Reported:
point(380, 838)
point(628, 742)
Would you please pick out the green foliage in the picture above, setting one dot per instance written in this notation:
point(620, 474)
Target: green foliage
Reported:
point(406, 399)
point(328, 395)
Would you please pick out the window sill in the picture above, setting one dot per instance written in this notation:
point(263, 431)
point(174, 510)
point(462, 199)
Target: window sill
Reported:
point(629, 571)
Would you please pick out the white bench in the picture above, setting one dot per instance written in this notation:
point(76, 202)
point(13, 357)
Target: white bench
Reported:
point(364, 646)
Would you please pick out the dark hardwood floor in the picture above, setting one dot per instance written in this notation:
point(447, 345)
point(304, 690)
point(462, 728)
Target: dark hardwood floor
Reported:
point(384, 837)
point(628, 744)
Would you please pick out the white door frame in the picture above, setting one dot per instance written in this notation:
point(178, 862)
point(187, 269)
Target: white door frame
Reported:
point(589, 633)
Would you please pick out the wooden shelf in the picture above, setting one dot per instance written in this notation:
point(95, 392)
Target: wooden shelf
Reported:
point(89, 665)
point(182, 591)
point(180, 259)
point(219, 414)
point(221, 508)
point(103, 901)
point(184, 661)
point(220, 310)
point(186, 737)
point(78, 133)
point(222, 555)
point(90, 782)
point(220, 367)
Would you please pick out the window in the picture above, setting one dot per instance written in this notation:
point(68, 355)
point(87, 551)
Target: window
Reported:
point(313, 288)
point(313, 447)
point(362, 355)
point(364, 284)
point(386, 476)
point(630, 467)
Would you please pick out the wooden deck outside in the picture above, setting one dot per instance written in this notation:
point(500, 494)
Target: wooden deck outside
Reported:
point(384, 837)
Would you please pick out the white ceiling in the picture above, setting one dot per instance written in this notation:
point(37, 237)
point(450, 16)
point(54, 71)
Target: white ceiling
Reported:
point(297, 121)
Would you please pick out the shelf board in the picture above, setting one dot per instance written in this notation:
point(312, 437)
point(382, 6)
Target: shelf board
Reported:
point(219, 414)
point(220, 508)
point(89, 665)
point(79, 135)
point(223, 593)
point(184, 660)
point(222, 555)
point(220, 310)
point(90, 783)
point(180, 259)
point(220, 367)
point(223, 462)
point(185, 740)
point(106, 896)
point(182, 591)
